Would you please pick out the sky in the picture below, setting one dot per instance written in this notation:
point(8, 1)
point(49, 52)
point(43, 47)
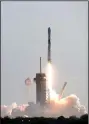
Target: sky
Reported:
point(24, 39)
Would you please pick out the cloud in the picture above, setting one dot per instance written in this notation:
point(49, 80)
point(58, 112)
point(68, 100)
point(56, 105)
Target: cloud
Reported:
point(66, 107)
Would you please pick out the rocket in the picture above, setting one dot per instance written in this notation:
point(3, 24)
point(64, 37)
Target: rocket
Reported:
point(49, 45)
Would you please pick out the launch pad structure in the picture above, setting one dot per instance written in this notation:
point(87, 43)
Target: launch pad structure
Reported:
point(40, 80)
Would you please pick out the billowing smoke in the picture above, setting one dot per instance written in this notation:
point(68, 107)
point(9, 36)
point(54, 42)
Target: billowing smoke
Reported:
point(7, 110)
point(66, 107)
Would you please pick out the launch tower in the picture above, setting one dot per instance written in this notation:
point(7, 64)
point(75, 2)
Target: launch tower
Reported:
point(40, 87)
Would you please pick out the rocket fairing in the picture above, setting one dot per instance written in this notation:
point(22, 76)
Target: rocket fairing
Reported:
point(49, 45)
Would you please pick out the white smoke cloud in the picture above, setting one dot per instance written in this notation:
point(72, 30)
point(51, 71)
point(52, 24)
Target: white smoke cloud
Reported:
point(14, 105)
point(66, 107)
point(70, 106)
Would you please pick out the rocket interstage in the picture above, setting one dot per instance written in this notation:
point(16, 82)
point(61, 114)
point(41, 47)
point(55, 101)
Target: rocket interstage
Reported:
point(49, 45)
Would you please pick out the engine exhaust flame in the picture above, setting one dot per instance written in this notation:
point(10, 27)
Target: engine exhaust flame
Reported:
point(49, 74)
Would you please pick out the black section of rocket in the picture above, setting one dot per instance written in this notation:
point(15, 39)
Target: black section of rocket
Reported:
point(49, 45)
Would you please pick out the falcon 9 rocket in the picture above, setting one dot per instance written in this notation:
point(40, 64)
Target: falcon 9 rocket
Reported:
point(49, 45)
